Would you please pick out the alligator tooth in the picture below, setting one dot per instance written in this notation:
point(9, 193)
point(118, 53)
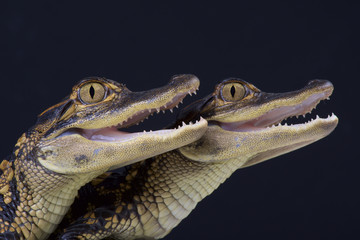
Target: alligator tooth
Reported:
point(171, 110)
point(163, 111)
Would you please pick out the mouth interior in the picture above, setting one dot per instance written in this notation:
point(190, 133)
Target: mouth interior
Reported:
point(116, 133)
point(277, 115)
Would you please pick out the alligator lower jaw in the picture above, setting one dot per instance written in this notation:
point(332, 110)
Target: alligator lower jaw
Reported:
point(249, 127)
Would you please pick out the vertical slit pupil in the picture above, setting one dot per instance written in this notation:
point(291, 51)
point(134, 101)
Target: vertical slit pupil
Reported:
point(232, 91)
point(92, 92)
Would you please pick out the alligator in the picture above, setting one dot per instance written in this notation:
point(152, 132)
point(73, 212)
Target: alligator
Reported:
point(79, 139)
point(246, 126)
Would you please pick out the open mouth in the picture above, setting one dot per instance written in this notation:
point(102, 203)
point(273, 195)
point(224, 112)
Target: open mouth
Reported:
point(118, 133)
point(279, 116)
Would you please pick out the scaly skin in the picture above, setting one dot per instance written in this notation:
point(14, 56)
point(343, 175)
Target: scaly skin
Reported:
point(148, 199)
point(77, 140)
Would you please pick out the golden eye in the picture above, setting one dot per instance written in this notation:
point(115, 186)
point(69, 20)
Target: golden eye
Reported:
point(92, 93)
point(232, 92)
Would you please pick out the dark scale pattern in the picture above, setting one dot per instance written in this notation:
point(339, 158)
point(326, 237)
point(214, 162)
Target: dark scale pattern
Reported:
point(151, 198)
point(9, 198)
point(25, 212)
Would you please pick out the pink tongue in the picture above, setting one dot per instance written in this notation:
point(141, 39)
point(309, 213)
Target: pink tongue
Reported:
point(106, 134)
point(239, 126)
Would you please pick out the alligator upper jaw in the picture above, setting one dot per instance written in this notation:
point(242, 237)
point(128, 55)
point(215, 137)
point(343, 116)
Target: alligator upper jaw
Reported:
point(117, 133)
point(300, 106)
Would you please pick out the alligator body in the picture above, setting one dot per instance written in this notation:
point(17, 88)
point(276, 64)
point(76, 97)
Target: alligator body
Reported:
point(77, 140)
point(146, 200)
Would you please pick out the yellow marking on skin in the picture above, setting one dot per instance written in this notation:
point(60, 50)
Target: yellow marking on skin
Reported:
point(17, 152)
point(52, 107)
point(119, 209)
point(7, 200)
point(21, 140)
point(4, 189)
point(107, 225)
point(87, 236)
point(115, 219)
point(123, 221)
point(90, 221)
point(4, 165)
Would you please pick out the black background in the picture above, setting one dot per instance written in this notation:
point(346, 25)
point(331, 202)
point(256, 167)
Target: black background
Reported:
point(312, 193)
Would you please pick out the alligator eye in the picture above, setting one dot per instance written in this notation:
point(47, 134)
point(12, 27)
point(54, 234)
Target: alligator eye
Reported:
point(232, 92)
point(92, 93)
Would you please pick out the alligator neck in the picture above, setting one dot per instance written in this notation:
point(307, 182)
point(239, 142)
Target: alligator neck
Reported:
point(33, 198)
point(171, 187)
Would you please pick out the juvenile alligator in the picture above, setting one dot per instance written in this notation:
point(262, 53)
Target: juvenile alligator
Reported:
point(148, 199)
point(77, 140)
